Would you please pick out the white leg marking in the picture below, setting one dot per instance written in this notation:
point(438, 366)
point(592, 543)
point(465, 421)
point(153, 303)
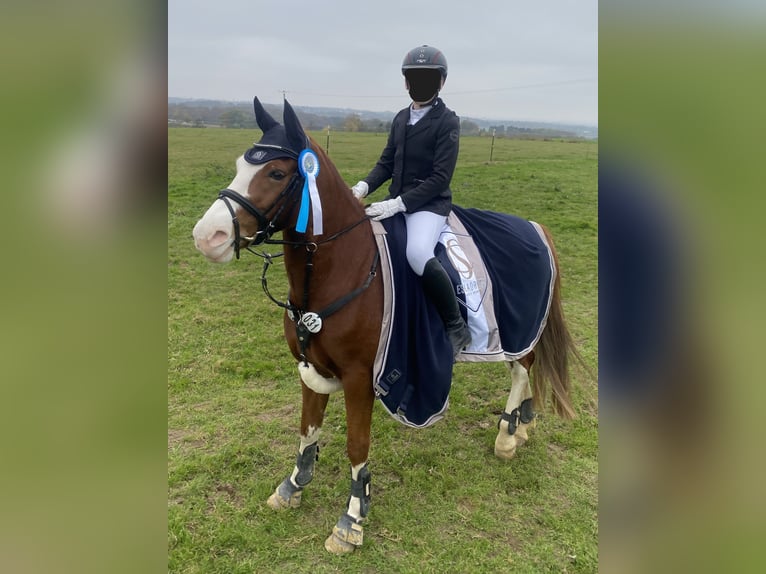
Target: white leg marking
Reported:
point(519, 386)
point(521, 431)
point(310, 438)
point(346, 535)
point(317, 382)
point(505, 444)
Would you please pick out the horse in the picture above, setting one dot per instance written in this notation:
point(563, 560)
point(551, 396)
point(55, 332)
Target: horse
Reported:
point(332, 318)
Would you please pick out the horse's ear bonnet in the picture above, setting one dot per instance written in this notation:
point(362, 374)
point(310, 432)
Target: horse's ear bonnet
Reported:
point(277, 141)
point(295, 134)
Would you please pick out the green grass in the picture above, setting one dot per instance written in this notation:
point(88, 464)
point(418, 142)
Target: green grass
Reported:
point(441, 501)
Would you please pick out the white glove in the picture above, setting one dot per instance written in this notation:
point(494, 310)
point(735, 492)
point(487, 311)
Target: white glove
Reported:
point(384, 209)
point(360, 189)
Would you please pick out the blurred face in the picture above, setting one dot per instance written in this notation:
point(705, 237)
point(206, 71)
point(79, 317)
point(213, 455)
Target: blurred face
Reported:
point(423, 84)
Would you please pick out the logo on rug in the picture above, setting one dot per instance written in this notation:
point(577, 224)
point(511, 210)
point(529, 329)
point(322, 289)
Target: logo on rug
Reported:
point(458, 258)
point(471, 286)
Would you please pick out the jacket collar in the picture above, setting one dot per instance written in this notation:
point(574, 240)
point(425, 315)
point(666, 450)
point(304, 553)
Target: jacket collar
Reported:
point(434, 113)
point(436, 104)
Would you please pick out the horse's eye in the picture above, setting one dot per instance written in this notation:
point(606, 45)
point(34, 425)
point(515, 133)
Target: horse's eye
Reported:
point(276, 175)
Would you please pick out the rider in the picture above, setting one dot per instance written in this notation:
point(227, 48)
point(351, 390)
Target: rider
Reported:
point(420, 158)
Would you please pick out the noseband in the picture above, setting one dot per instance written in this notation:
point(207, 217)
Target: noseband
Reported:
point(267, 226)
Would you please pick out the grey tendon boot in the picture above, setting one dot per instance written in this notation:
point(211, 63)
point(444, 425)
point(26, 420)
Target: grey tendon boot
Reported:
point(438, 288)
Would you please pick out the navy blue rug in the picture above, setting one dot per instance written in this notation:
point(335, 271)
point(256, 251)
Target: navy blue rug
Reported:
point(503, 274)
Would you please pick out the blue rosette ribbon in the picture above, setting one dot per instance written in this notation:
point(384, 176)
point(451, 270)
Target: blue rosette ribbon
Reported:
point(308, 165)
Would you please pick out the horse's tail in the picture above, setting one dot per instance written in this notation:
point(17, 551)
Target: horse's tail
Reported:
point(552, 352)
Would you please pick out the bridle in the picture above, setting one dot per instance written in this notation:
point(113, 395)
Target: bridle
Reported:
point(306, 323)
point(267, 226)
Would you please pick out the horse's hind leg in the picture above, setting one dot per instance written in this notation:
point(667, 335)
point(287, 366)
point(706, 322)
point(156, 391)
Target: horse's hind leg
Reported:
point(288, 494)
point(518, 415)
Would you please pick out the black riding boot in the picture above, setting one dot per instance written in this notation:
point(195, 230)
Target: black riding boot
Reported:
point(438, 288)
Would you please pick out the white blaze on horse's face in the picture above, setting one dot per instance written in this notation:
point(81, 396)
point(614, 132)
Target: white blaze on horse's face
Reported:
point(214, 233)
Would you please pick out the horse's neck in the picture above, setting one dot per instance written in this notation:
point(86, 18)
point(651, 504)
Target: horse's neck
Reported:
point(337, 263)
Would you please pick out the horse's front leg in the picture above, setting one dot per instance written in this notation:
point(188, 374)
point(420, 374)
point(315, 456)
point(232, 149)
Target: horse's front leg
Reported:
point(348, 532)
point(288, 494)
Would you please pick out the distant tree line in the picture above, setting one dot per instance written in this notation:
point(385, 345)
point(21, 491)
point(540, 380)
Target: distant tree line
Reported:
point(240, 115)
point(470, 128)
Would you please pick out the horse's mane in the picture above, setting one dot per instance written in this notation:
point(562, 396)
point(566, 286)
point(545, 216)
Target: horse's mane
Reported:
point(327, 167)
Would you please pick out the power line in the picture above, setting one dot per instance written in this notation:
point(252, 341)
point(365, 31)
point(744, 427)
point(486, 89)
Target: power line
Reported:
point(543, 85)
point(461, 93)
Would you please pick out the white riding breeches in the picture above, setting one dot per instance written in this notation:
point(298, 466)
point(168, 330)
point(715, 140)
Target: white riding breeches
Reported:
point(423, 231)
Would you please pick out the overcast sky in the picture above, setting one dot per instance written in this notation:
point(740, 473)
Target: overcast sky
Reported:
point(508, 59)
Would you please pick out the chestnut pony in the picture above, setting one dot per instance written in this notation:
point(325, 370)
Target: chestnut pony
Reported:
point(332, 320)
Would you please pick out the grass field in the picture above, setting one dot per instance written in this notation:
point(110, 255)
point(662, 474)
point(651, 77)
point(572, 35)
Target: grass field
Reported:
point(441, 501)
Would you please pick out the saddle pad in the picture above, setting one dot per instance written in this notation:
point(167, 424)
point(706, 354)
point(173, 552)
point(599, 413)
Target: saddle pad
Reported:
point(503, 275)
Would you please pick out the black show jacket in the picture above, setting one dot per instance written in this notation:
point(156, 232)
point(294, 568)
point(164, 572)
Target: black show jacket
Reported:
point(420, 160)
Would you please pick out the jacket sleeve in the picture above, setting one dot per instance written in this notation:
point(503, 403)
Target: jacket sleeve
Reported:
point(445, 158)
point(384, 169)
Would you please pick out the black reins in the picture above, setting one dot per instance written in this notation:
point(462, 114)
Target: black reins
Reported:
point(306, 323)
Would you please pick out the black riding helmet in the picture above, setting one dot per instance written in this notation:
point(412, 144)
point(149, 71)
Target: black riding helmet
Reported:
point(425, 58)
point(424, 68)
